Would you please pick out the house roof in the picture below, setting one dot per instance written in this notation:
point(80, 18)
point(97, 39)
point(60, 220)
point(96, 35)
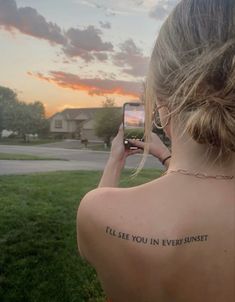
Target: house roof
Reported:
point(80, 113)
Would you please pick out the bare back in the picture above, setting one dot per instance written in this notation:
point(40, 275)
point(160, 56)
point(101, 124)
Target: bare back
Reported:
point(161, 244)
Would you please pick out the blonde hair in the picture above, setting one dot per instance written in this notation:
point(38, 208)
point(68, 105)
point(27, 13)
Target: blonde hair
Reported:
point(192, 69)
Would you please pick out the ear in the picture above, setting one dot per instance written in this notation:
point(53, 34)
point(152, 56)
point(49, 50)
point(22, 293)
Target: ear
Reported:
point(168, 130)
point(166, 120)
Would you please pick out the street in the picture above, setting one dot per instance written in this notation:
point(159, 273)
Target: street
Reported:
point(76, 160)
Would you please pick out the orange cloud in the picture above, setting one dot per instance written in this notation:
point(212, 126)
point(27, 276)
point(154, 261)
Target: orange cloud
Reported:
point(93, 86)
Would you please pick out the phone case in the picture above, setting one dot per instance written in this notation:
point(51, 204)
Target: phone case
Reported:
point(126, 142)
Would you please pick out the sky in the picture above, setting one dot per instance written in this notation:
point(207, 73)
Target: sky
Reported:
point(76, 53)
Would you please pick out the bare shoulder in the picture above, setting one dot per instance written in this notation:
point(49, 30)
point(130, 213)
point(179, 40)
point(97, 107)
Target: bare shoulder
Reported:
point(103, 204)
point(116, 208)
point(96, 199)
point(93, 212)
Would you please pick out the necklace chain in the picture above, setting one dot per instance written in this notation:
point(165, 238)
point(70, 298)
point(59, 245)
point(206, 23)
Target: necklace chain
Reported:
point(200, 175)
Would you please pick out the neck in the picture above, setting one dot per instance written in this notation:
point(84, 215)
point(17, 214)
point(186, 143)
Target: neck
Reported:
point(194, 157)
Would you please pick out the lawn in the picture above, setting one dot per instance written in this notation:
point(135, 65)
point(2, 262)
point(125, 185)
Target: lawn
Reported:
point(39, 261)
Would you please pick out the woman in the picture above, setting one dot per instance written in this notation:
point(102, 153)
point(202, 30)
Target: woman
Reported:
point(173, 239)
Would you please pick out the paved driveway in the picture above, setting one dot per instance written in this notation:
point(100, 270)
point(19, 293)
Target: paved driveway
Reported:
point(76, 160)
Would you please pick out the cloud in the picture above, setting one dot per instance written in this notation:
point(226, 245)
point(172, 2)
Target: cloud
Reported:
point(86, 3)
point(101, 56)
point(162, 9)
point(83, 42)
point(112, 8)
point(86, 43)
point(120, 7)
point(93, 86)
point(106, 25)
point(131, 59)
point(29, 22)
point(138, 2)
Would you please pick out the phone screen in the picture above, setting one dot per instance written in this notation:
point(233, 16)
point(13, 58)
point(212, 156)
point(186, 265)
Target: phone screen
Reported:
point(133, 123)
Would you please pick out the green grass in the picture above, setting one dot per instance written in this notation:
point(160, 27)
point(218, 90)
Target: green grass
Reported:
point(7, 156)
point(39, 261)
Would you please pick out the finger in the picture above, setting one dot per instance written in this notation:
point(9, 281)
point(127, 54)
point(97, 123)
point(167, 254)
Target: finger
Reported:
point(137, 143)
point(132, 152)
point(137, 152)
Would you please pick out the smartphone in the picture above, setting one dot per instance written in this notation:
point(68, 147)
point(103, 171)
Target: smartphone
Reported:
point(133, 123)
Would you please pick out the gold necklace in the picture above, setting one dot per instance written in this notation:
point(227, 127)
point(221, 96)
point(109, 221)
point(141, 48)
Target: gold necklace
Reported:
point(200, 175)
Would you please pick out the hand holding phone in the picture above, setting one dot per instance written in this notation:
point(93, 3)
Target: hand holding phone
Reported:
point(133, 123)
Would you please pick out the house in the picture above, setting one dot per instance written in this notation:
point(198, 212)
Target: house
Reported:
point(76, 123)
point(7, 133)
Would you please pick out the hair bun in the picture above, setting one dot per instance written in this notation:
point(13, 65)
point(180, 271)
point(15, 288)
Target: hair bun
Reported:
point(213, 123)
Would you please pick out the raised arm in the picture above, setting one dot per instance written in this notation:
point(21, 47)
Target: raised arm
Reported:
point(116, 161)
point(118, 155)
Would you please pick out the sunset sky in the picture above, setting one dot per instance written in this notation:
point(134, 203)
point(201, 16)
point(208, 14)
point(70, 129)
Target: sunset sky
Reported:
point(74, 53)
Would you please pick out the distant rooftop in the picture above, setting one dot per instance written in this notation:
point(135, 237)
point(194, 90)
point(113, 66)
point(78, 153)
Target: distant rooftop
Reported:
point(72, 113)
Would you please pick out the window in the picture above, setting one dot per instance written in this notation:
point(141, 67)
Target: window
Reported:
point(58, 124)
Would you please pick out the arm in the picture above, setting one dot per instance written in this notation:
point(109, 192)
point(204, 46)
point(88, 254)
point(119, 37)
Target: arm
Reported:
point(116, 161)
point(118, 155)
point(111, 174)
point(167, 163)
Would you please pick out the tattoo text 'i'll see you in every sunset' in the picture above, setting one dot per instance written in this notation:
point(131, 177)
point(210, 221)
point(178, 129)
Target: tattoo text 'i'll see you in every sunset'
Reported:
point(155, 241)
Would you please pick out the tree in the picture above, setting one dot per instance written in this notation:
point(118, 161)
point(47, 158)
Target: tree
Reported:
point(26, 118)
point(8, 100)
point(108, 120)
point(39, 122)
point(109, 103)
point(21, 117)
